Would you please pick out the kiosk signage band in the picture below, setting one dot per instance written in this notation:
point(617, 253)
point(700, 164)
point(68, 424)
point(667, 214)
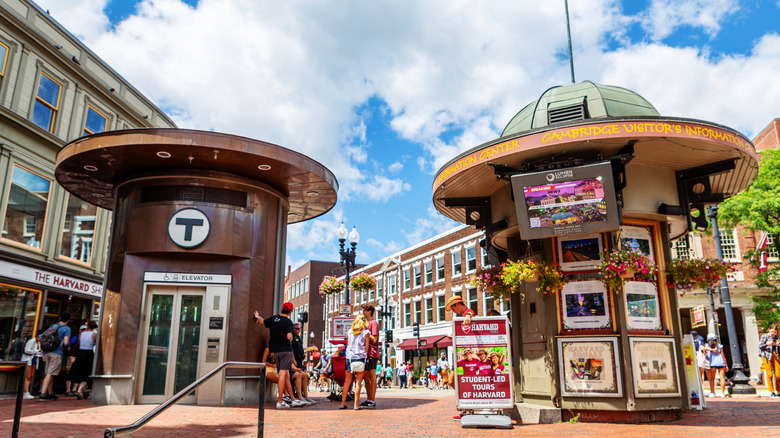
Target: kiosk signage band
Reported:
point(484, 377)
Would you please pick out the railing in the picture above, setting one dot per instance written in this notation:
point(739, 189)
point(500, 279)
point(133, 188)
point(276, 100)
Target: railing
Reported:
point(20, 390)
point(112, 432)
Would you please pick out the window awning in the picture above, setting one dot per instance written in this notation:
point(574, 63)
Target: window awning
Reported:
point(438, 341)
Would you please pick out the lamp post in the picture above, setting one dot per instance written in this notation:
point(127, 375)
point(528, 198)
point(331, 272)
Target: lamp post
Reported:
point(740, 380)
point(386, 311)
point(347, 255)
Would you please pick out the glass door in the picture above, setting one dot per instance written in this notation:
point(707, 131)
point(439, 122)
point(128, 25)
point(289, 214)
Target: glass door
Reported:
point(172, 342)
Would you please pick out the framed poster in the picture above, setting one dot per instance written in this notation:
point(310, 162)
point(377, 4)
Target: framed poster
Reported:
point(642, 312)
point(585, 306)
point(698, 318)
point(339, 326)
point(653, 367)
point(589, 367)
point(637, 238)
point(483, 365)
point(580, 253)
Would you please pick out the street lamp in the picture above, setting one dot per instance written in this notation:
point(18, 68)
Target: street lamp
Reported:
point(347, 255)
point(385, 312)
point(740, 380)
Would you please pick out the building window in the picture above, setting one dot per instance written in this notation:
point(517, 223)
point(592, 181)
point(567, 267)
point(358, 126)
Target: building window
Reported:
point(25, 214)
point(729, 245)
point(429, 310)
point(428, 272)
point(457, 266)
point(357, 297)
point(682, 248)
point(440, 269)
point(407, 281)
point(485, 258)
point(471, 298)
point(379, 284)
point(417, 277)
point(4, 58)
point(771, 249)
point(78, 230)
point(95, 122)
point(391, 284)
point(504, 306)
point(47, 102)
point(407, 315)
point(471, 259)
point(440, 303)
point(418, 312)
point(487, 303)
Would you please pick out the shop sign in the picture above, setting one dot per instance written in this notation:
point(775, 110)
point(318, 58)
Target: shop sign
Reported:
point(484, 377)
point(345, 309)
point(697, 317)
point(187, 277)
point(51, 279)
point(339, 326)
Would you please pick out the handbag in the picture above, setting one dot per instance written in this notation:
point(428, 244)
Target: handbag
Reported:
point(357, 367)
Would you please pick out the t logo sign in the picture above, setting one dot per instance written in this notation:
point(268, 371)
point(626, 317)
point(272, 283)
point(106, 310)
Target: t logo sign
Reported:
point(189, 227)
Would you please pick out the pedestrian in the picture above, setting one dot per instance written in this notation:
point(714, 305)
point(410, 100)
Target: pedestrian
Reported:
point(31, 356)
point(409, 374)
point(279, 343)
point(355, 365)
point(388, 376)
point(401, 375)
point(718, 364)
point(769, 349)
point(53, 357)
point(380, 371)
point(434, 375)
point(325, 368)
point(444, 370)
point(297, 345)
point(702, 358)
point(82, 366)
point(373, 357)
point(272, 375)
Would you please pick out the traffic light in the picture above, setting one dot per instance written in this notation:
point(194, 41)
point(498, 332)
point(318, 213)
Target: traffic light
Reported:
point(388, 336)
point(416, 329)
point(303, 317)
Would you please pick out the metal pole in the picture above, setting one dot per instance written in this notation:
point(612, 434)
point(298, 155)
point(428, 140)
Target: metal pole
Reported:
point(739, 379)
point(711, 293)
point(261, 405)
point(18, 408)
point(568, 32)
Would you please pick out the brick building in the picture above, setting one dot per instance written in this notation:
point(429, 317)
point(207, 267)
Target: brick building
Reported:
point(302, 289)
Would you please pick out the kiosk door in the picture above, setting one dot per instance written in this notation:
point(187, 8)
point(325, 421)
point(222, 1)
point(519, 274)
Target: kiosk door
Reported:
point(174, 318)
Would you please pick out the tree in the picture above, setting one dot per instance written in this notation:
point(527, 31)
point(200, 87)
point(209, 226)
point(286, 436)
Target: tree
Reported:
point(758, 208)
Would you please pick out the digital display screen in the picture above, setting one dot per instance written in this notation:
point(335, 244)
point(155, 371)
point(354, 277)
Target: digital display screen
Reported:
point(572, 202)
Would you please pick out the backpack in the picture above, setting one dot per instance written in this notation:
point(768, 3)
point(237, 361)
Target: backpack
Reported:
point(50, 340)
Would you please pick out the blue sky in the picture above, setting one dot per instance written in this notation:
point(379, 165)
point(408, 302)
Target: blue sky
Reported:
point(386, 92)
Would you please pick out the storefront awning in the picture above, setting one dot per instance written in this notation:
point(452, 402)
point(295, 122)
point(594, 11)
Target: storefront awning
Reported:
point(438, 341)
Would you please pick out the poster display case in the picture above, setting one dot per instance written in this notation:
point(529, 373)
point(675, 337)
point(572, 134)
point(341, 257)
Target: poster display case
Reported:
point(653, 367)
point(585, 306)
point(642, 306)
point(581, 252)
point(589, 367)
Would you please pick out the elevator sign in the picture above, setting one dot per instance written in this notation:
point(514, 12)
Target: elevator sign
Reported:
point(187, 277)
point(189, 227)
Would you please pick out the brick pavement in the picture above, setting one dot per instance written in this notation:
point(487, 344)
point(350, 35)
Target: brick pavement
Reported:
point(415, 413)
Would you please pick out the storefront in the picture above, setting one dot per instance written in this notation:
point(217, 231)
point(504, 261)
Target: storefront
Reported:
point(32, 299)
point(585, 170)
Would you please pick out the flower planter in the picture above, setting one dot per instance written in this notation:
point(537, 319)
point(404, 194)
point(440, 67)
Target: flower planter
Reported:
point(629, 273)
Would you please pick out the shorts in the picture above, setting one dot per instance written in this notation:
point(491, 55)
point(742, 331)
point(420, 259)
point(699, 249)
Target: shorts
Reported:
point(53, 363)
point(434, 377)
point(371, 363)
point(284, 360)
point(348, 364)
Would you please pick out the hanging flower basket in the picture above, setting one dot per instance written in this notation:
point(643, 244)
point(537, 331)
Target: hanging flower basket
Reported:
point(488, 280)
point(8, 293)
point(550, 278)
point(687, 274)
point(622, 265)
point(362, 282)
point(331, 285)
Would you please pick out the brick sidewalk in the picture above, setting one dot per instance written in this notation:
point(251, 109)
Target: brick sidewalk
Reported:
point(415, 413)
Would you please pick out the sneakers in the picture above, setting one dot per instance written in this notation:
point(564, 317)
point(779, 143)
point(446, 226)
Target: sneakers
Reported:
point(310, 400)
point(28, 396)
point(457, 417)
point(711, 394)
point(299, 403)
point(773, 395)
point(287, 399)
point(368, 405)
point(47, 397)
point(722, 395)
point(282, 405)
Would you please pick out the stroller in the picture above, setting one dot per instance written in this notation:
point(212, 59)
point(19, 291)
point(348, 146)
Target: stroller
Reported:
point(338, 376)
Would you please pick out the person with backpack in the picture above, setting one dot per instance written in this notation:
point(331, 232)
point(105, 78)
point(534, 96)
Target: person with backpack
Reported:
point(53, 343)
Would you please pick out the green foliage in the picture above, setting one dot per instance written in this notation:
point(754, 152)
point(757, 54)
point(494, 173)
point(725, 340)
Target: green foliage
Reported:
point(766, 308)
point(758, 207)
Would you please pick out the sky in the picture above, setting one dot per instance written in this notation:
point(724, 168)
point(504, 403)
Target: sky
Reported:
point(384, 93)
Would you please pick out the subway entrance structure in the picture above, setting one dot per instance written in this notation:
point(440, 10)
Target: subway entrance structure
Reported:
point(583, 170)
point(197, 243)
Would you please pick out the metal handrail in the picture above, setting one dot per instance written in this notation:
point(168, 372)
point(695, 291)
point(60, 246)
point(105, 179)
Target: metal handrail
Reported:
point(19, 390)
point(112, 432)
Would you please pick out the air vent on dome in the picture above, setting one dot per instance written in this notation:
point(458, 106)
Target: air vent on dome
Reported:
point(207, 195)
point(567, 111)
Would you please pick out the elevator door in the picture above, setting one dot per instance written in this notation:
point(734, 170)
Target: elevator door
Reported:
point(173, 321)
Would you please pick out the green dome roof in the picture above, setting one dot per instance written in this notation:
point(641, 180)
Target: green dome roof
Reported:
point(576, 102)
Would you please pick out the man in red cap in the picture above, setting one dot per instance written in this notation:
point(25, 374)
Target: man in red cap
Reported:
point(279, 344)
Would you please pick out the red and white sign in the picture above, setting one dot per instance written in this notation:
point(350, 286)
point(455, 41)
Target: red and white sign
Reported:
point(483, 364)
point(339, 327)
point(51, 279)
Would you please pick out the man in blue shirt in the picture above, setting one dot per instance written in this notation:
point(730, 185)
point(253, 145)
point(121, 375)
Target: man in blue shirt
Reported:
point(53, 359)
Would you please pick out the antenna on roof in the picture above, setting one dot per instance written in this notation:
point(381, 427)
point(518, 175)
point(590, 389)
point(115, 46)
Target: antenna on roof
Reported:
point(568, 31)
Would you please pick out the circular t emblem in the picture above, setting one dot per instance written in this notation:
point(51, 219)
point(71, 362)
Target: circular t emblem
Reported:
point(189, 227)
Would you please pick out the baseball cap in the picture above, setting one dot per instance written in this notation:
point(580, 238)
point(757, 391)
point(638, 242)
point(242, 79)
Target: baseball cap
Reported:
point(83, 327)
point(455, 299)
point(467, 350)
point(287, 307)
point(711, 336)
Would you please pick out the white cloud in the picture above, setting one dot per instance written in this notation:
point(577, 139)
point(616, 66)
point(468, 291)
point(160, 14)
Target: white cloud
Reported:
point(381, 188)
point(83, 18)
point(385, 249)
point(665, 16)
point(432, 224)
point(395, 167)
